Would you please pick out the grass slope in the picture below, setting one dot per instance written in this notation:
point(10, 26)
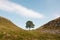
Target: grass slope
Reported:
point(9, 31)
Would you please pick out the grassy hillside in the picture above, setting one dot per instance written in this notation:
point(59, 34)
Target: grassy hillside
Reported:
point(9, 31)
point(52, 26)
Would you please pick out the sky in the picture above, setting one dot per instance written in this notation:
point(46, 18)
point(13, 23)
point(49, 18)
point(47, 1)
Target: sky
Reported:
point(38, 11)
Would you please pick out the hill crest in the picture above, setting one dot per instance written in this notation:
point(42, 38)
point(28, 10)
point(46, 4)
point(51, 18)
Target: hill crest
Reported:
point(51, 27)
point(6, 24)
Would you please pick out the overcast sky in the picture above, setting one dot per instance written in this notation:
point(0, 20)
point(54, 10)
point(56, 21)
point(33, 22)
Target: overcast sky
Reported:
point(38, 11)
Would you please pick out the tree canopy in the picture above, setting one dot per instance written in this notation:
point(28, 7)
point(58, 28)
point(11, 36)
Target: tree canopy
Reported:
point(29, 24)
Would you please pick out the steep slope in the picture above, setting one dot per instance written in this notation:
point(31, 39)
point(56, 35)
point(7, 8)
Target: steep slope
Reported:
point(8, 30)
point(6, 24)
point(51, 27)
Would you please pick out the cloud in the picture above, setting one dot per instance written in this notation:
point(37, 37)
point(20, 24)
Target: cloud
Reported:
point(57, 15)
point(19, 9)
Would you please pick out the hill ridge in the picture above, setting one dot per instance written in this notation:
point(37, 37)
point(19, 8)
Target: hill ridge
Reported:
point(51, 27)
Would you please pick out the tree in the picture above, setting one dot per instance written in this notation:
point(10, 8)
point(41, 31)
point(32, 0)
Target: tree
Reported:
point(29, 24)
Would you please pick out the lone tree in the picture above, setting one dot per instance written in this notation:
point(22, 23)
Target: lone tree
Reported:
point(29, 24)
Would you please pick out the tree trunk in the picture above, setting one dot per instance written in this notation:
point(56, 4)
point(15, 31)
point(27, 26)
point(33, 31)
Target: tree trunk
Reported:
point(29, 28)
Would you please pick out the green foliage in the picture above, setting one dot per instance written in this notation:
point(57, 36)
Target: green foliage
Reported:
point(29, 24)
